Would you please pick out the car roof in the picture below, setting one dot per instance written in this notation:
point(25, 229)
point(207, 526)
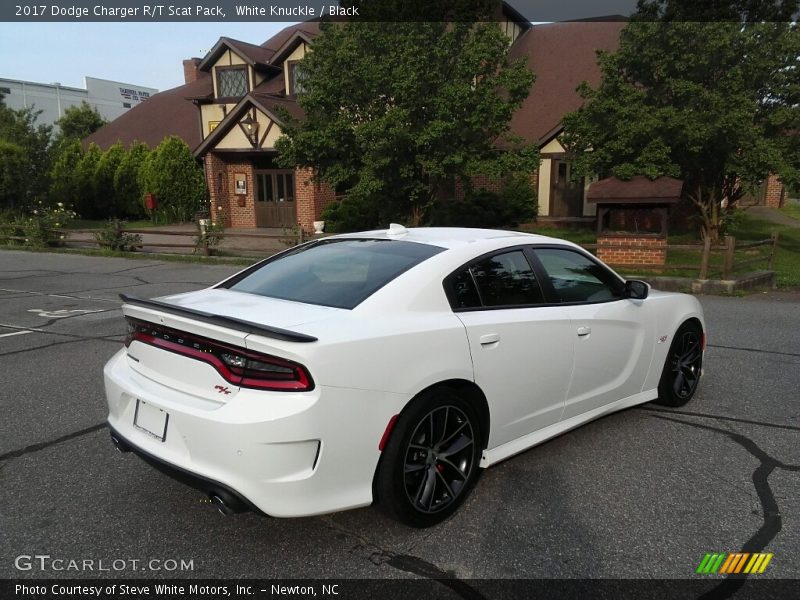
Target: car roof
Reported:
point(450, 237)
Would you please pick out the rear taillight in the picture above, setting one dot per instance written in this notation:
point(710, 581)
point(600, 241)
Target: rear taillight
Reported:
point(236, 365)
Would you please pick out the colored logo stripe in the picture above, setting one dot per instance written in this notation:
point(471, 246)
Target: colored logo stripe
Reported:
point(734, 562)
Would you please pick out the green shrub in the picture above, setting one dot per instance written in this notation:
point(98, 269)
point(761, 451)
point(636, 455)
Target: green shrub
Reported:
point(174, 176)
point(44, 224)
point(65, 186)
point(111, 236)
point(108, 205)
point(514, 204)
point(14, 163)
point(127, 185)
point(86, 201)
point(11, 226)
point(353, 213)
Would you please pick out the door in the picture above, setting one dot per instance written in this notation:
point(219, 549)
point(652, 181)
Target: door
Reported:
point(522, 350)
point(275, 199)
point(566, 196)
point(610, 331)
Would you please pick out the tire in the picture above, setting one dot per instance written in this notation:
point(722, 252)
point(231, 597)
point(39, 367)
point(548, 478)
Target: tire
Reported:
point(683, 366)
point(431, 462)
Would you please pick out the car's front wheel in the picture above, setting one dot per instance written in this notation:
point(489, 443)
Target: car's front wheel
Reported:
point(683, 366)
point(430, 463)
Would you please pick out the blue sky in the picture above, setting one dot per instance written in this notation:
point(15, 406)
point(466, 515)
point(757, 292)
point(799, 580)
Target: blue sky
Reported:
point(145, 54)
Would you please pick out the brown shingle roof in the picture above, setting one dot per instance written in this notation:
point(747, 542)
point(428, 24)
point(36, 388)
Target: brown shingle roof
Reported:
point(165, 113)
point(310, 28)
point(562, 55)
point(250, 52)
point(638, 189)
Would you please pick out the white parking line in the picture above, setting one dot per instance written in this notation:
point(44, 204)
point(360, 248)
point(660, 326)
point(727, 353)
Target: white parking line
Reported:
point(26, 329)
point(62, 296)
point(2, 335)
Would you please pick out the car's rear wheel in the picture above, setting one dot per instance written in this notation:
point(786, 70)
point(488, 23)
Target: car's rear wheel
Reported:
point(683, 366)
point(430, 463)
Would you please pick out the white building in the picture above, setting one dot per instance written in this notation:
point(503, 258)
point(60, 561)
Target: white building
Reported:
point(110, 98)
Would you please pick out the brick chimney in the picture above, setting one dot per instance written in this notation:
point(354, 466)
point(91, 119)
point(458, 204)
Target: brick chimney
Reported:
point(190, 71)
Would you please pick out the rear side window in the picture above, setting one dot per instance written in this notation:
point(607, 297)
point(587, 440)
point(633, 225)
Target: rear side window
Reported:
point(501, 280)
point(341, 273)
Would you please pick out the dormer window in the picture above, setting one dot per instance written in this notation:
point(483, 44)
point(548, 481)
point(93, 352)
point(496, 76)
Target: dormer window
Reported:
point(295, 77)
point(231, 82)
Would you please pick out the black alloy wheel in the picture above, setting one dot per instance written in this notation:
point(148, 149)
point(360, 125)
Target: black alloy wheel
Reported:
point(683, 366)
point(439, 459)
point(430, 463)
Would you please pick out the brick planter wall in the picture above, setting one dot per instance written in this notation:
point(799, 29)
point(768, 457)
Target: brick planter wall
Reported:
point(775, 192)
point(623, 249)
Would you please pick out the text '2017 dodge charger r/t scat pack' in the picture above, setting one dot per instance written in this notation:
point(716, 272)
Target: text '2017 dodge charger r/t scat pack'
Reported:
point(390, 366)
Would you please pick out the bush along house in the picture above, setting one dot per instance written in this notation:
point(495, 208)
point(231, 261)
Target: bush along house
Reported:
point(228, 113)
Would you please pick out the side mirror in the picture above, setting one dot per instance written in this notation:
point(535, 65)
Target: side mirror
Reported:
point(636, 289)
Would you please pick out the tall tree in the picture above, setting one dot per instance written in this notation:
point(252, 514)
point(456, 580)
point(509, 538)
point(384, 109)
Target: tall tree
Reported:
point(714, 102)
point(80, 121)
point(65, 185)
point(19, 128)
point(397, 111)
point(127, 184)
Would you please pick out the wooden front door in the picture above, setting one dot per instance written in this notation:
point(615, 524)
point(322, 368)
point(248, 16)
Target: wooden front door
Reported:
point(275, 198)
point(566, 196)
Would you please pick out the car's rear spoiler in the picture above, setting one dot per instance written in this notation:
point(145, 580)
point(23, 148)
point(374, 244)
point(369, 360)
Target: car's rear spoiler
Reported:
point(229, 322)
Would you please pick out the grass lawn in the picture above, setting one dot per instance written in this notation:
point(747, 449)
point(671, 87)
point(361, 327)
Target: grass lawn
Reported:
point(787, 258)
point(791, 210)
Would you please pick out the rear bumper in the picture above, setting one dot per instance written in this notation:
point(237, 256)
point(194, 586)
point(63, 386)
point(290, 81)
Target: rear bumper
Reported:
point(282, 454)
point(209, 487)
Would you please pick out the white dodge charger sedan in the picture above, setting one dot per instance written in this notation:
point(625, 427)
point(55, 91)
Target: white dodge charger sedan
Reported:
point(390, 366)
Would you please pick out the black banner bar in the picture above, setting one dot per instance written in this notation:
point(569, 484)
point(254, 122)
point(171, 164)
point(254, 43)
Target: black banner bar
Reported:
point(405, 589)
point(302, 10)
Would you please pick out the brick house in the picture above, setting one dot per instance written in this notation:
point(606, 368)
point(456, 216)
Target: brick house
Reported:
point(228, 113)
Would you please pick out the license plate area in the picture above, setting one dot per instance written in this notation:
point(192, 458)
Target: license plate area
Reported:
point(151, 420)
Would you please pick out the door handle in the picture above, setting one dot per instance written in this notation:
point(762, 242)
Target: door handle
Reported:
point(489, 339)
point(584, 331)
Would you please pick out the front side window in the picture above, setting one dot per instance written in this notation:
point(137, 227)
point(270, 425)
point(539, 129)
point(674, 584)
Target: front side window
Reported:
point(231, 83)
point(501, 280)
point(577, 278)
point(341, 273)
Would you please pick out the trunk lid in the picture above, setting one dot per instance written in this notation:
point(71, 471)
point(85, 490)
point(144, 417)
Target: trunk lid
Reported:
point(221, 315)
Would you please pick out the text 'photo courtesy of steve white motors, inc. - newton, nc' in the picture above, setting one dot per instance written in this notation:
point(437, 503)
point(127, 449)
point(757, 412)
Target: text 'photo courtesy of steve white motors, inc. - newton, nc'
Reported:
point(179, 11)
point(175, 590)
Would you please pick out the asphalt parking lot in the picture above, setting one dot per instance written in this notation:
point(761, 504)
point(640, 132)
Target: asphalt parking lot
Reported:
point(639, 494)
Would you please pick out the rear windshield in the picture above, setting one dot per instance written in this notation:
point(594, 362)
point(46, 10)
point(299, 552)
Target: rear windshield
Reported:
point(340, 273)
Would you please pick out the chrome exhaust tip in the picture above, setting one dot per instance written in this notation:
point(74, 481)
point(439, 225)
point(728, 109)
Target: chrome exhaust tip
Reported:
point(120, 446)
point(223, 507)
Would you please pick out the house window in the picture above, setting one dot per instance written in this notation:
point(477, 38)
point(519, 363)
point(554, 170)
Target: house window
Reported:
point(295, 77)
point(231, 82)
